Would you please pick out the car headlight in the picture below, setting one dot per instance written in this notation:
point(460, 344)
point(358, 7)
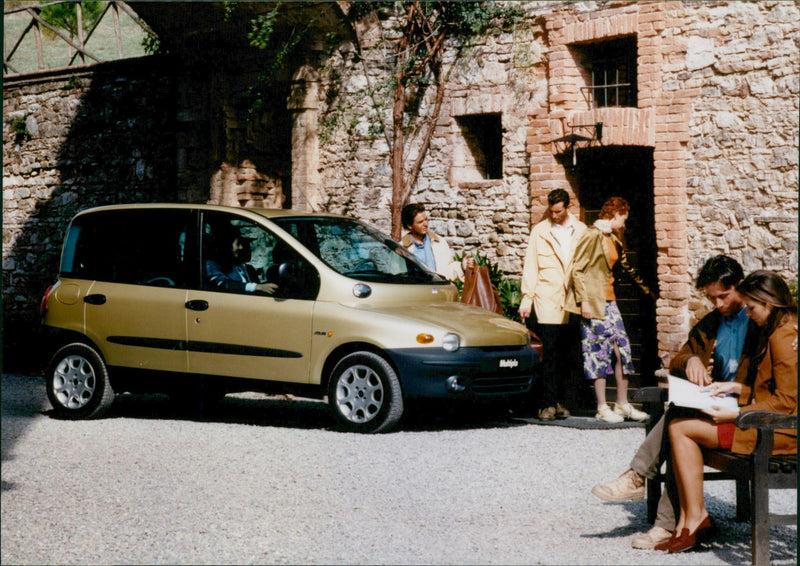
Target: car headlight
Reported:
point(450, 342)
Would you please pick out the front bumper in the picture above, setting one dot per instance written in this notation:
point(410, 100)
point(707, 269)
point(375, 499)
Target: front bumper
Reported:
point(468, 372)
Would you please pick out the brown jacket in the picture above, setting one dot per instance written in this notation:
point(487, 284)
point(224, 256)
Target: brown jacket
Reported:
point(701, 344)
point(774, 389)
point(591, 271)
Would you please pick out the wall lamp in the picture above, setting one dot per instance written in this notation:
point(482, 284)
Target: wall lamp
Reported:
point(569, 144)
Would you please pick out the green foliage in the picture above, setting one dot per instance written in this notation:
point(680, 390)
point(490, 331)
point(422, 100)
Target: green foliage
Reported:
point(510, 291)
point(278, 52)
point(65, 16)
point(262, 28)
point(19, 128)
point(151, 44)
point(74, 83)
point(475, 18)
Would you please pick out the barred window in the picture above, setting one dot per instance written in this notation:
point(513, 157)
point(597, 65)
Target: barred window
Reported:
point(610, 68)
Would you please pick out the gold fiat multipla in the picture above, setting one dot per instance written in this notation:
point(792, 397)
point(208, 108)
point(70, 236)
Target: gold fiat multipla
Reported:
point(199, 300)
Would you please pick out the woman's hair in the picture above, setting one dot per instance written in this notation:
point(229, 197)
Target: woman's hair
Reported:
point(614, 205)
point(769, 288)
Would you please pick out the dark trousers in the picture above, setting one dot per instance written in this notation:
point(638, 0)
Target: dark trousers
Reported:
point(560, 349)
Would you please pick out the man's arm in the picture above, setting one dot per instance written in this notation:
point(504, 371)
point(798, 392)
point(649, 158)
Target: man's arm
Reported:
point(530, 276)
point(221, 280)
point(692, 359)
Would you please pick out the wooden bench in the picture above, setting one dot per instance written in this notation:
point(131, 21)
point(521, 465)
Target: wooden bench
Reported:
point(755, 474)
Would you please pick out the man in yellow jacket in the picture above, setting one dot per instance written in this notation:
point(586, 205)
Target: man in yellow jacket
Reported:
point(546, 288)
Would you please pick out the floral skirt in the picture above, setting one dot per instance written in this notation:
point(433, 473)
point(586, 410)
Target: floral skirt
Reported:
point(597, 342)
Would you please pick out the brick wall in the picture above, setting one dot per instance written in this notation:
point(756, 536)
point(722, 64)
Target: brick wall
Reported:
point(718, 103)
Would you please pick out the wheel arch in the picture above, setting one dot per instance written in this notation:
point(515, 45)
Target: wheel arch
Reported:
point(346, 349)
point(56, 338)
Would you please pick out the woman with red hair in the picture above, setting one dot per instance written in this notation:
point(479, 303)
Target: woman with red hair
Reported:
point(604, 342)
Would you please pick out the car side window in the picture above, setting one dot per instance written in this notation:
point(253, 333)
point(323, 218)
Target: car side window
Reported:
point(240, 256)
point(138, 247)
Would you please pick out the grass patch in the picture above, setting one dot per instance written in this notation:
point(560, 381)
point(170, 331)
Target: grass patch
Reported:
point(56, 53)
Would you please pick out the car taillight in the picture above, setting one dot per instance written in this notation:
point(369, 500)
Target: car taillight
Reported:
point(43, 305)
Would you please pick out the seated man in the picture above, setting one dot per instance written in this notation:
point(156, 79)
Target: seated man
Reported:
point(718, 349)
point(230, 270)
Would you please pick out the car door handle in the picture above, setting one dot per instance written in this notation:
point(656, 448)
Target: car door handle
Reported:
point(197, 305)
point(96, 299)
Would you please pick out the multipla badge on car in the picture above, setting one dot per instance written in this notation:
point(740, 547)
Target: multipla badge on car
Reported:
point(508, 363)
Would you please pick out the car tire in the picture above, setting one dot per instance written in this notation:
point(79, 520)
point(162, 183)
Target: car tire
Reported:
point(77, 383)
point(364, 393)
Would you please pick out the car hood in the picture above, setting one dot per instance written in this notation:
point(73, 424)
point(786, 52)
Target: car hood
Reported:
point(475, 326)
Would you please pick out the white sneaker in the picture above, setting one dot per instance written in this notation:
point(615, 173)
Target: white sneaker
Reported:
point(628, 411)
point(604, 413)
point(628, 487)
point(651, 538)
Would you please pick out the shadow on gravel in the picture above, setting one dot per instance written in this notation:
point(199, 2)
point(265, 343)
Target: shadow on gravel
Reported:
point(731, 545)
point(23, 398)
point(306, 414)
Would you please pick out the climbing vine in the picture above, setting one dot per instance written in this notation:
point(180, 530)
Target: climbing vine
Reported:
point(417, 60)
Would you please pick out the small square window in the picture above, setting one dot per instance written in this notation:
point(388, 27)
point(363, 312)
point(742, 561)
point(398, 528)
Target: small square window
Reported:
point(483, 138)
point(610, 71)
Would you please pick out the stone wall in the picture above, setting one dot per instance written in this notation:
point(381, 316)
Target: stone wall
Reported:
point(717, 103)
point(90, 138)
point(741, 63)
point(499, 75)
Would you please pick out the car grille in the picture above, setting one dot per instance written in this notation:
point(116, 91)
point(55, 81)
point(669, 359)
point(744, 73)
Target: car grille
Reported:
point(499, 384)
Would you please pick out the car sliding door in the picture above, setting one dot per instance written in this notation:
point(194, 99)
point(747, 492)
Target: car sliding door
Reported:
point(135, 309)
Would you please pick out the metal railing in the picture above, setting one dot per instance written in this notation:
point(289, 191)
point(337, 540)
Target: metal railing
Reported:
point(617, 94)
point(79, 53)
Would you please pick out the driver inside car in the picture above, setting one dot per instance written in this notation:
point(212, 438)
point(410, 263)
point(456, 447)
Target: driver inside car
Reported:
point(230, 270)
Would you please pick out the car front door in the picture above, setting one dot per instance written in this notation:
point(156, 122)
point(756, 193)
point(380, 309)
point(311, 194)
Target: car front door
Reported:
point(252, 316)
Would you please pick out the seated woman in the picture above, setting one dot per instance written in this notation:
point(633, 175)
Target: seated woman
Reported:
point(770, 385)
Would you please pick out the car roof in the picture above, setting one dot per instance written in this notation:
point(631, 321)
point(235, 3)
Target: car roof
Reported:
point(265, 212)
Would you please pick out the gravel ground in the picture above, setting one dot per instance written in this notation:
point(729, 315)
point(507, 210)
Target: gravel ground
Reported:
point(268, 482)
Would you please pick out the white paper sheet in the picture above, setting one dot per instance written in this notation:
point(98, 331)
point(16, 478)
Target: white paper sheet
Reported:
point(684, 393)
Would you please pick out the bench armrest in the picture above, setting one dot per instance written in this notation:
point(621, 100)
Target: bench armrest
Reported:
point(766, 420)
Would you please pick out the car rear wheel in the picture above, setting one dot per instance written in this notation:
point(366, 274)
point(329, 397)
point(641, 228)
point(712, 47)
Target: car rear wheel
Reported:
point(77, 383)
point(364, 393)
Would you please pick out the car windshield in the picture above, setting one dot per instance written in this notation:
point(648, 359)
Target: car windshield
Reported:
point(356, 250)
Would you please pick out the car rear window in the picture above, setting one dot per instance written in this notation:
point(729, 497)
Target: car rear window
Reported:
point(142, 247)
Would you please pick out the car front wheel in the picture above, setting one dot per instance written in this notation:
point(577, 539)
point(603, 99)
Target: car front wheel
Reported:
point(77, 383)
point(364, 393)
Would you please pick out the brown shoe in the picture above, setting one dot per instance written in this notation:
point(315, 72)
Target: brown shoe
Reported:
point(687, 541)
point(561, 411)
point(547, 414)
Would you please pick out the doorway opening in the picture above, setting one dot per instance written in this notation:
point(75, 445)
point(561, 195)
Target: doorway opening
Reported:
point(627, 172)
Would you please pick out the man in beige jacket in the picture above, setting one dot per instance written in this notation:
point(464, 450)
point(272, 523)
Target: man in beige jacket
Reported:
point(546, 288)
point(431, 249)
